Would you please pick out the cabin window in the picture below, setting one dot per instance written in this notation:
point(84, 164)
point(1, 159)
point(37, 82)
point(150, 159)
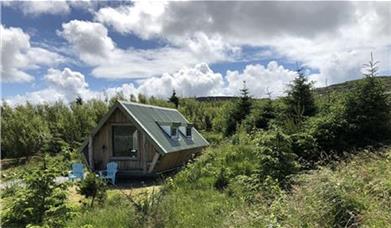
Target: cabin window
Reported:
point(174, 132)
point(188, 131)
point(124, 141)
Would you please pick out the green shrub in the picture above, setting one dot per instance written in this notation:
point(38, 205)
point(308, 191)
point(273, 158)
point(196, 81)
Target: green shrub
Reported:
point(23, 132)
point(330, 133)
point(368, 113)
point(305, 147)
point(117, 211)
point(277, 159)
point(93, 187)
point(40, 202)
point(300, 101)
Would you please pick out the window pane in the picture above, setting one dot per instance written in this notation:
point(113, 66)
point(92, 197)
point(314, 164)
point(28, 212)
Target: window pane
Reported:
point(122, 140)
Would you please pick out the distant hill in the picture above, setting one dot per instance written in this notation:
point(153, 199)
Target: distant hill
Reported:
point(348, 85)
point(341, 87)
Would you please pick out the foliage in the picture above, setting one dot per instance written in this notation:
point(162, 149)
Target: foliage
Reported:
point(115, 212)
point(277, 159)
point(355, 193)
point(93, 187)
point(368, 113)
point(306, 148)
point(300, 100)
point(174, 99)
point(40, 201)
point(24, 133)
point(239, 111)
point(261, 116)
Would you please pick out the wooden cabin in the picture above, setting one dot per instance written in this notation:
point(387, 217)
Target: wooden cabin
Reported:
point(142, 139)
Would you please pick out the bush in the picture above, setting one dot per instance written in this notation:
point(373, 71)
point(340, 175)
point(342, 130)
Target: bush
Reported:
point(306, 148)
point(260, 117)
point(330, 133)
point(277, 159)
point(368, 113)
point(117, 211)
point(41, 201)
point(300, 101)
point(23, 132)
point(93, 187)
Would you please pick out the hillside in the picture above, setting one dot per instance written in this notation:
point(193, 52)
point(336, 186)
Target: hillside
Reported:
point(352, 193)
point(338, 88)
point(348, 85)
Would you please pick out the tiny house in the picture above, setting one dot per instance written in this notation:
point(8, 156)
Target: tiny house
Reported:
point(142, 139)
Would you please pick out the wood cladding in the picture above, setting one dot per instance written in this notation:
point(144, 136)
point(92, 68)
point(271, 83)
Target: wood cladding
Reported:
point(102, 149)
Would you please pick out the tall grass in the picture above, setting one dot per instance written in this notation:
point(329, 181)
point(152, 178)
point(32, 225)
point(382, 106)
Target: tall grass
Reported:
point(117, 211)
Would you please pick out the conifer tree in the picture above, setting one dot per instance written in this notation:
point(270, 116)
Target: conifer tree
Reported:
point(174, 99)
point(244, 106)
point(367, 110)
point(300, 100)
point(239, 111)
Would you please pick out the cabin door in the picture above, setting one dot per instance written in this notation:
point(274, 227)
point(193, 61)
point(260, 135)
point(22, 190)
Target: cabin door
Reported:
point(125, 147)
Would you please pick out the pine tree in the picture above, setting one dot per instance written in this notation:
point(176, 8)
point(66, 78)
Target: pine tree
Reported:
point(174, 99)
point(300, 100)
point(244, 105)
point(79, 100)
point(367, 110)
point(239, 111)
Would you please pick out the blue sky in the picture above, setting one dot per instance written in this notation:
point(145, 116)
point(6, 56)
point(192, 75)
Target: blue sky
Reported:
point(59, 50)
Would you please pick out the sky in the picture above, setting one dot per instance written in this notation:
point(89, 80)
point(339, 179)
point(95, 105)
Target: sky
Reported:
point(59, 50)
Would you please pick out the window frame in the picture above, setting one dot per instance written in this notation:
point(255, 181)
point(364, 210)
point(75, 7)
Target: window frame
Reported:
point(113, 156)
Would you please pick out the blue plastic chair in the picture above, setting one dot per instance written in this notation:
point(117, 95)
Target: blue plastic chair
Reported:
point(110, 172)
point(77, 172)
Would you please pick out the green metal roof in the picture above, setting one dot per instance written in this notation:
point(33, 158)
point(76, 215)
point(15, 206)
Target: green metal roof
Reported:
point(150, 119)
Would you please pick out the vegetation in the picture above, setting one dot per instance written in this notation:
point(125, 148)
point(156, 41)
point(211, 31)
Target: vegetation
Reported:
point(40, 201)
point(305, 160)
point(93, 187)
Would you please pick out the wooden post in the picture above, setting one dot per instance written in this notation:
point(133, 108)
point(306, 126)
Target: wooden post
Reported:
point(154, 160)
point(90, 155)
point(144, 151)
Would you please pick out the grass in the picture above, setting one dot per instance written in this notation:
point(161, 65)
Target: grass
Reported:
point(115, 212)
point(357, 192)
point(354, 192)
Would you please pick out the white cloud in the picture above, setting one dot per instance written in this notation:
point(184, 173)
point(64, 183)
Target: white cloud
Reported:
point(260, 80)
point(17, 56)
point(335, 38)
point(91, 42)
point(199, 80)
point(143, 18)
point(36, 8)
point(89, 39)
point(63, 85)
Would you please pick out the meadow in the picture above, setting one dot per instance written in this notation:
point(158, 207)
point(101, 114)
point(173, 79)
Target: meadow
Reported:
point(314, 158)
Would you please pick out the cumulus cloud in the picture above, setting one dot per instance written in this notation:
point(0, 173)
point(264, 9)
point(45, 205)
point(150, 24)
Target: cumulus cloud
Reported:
point(91, 42)
point(63, 85)
point(89, 39)
point(36, 8)
point(260, 79)
point(332, 37)
point(18, 55)
point(143, 18)
point(198, 80)
point(234, 20)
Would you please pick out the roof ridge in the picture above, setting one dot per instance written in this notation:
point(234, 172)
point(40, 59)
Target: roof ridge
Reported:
point(146, 105)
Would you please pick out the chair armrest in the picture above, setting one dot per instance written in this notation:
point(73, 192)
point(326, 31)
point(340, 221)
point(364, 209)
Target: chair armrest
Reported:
point(102, 172)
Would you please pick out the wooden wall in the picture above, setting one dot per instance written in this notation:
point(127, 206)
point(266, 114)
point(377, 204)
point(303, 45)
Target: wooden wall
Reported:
point(146, 150)
point(175, 159)
point(103, 138)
